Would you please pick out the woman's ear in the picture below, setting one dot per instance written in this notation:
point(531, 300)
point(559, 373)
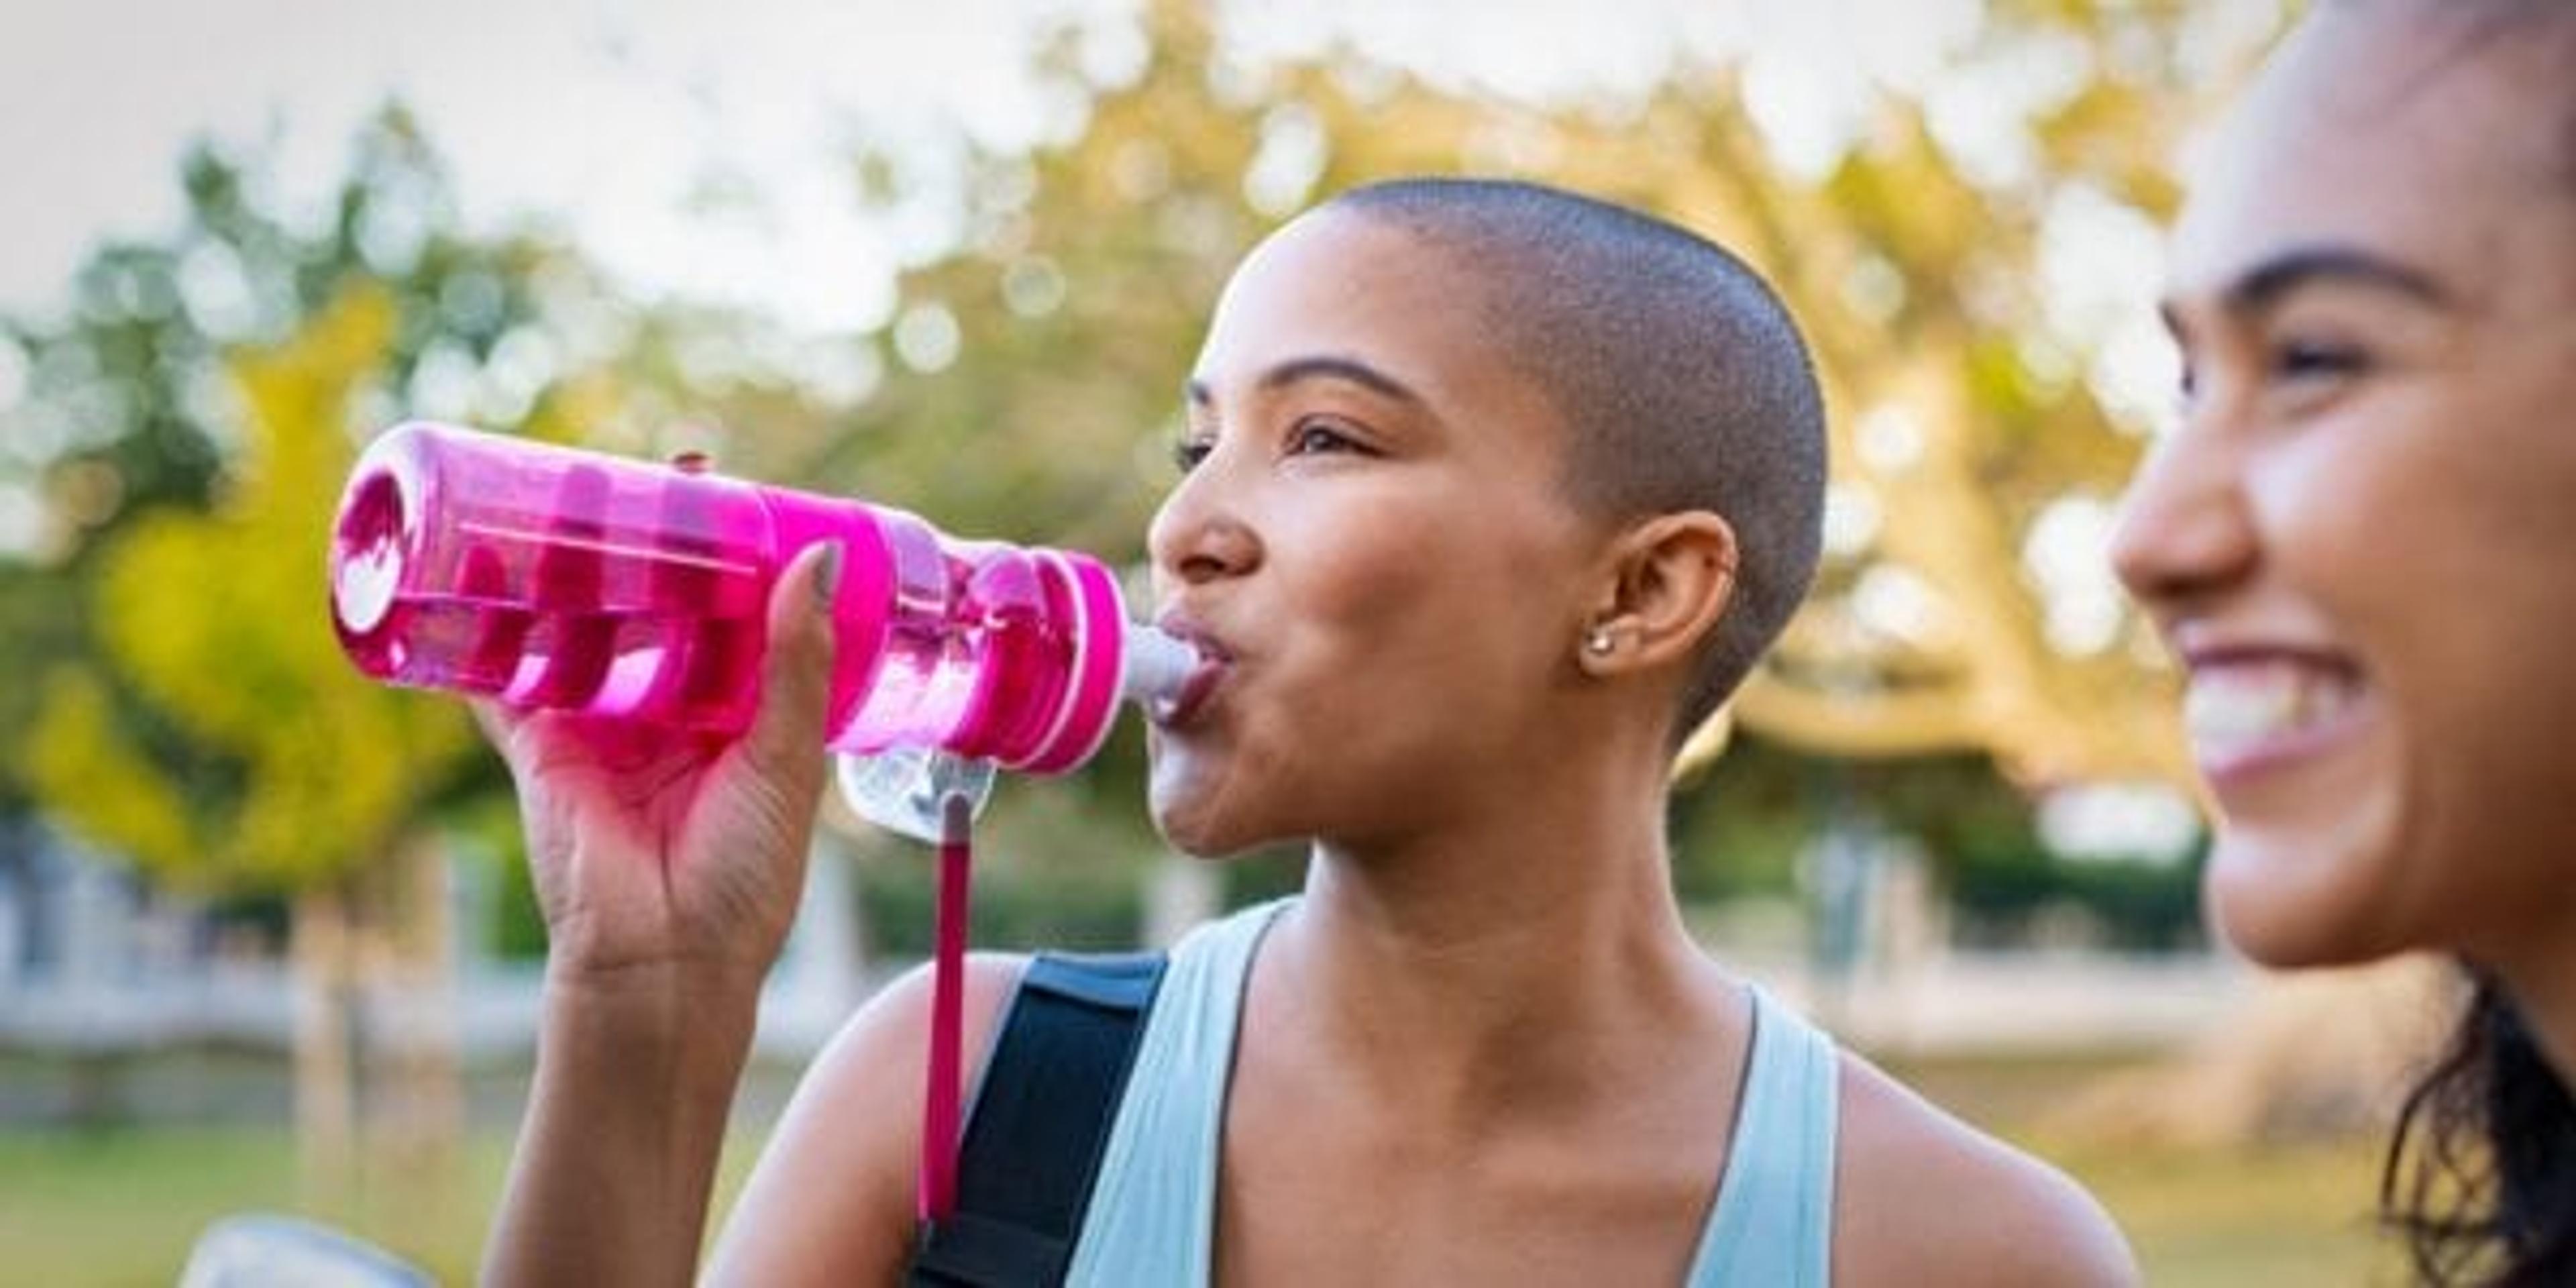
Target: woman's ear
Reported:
point(1672, 578)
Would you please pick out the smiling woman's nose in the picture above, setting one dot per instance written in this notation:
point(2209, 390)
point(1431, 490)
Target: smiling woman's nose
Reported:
point(2183, 529)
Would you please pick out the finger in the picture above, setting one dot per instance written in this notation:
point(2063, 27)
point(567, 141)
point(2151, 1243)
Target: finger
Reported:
point(796, 671)
point(499, 722)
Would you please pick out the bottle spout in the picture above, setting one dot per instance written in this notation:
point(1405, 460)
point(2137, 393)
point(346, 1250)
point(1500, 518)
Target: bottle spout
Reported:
point(1158, 667)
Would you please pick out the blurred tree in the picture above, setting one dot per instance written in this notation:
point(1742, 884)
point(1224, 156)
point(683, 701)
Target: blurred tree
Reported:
point(127, 408)
point(215, 621)
point(126, 405)
point(189, 423)
point(1973, 447)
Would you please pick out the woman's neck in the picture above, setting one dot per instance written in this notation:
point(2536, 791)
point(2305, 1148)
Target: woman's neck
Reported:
point(1505, 963)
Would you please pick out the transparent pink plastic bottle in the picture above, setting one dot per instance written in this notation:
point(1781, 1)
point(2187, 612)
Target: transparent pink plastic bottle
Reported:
point(554, 578)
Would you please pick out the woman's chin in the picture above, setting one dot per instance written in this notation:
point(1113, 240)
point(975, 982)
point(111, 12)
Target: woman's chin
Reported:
point(1182, 839)
point(2289, 908)
point(1186, 818)
point(1198, 825)
point(1198, 801)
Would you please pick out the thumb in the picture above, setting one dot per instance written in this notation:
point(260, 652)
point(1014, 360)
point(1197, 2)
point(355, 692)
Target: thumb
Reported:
point(498, 723)
point(796, 671)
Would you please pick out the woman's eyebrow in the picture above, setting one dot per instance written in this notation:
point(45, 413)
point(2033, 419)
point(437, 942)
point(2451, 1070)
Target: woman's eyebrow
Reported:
point(2262, 287)
point(2266, 283)
point(1318, 367)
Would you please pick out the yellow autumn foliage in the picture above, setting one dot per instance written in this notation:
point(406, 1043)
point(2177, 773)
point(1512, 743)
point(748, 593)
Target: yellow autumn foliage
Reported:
point(218, 625)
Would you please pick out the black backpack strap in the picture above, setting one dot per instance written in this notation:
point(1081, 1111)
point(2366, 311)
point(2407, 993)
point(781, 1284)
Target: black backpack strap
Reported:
point(1041, 1122)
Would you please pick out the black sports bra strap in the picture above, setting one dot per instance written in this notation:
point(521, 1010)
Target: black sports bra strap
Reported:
point(1040, 1123)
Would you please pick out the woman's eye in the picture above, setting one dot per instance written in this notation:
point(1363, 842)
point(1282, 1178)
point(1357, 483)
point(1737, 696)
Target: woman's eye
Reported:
point(1187, 453)
point(2313, 360)
point(1314, 437)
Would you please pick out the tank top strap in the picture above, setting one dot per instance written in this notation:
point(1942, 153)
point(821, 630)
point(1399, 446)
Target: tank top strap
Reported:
point(1773, 1222)
point(1152, 1219)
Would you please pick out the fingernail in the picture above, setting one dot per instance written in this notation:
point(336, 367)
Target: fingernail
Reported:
point(827, 576)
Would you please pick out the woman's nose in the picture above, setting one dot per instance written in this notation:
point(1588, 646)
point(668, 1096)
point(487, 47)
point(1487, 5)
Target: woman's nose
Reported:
point(1200, 534)
point(2184, 528)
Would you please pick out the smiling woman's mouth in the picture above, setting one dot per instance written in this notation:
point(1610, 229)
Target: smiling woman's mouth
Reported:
point(2246, 711)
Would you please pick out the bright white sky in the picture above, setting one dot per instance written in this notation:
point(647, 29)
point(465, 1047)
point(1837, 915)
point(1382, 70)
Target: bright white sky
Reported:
point(601, 115)
point(609, 116)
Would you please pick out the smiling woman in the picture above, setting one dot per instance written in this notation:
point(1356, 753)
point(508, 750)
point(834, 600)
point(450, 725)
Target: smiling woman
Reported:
point(2356, 542)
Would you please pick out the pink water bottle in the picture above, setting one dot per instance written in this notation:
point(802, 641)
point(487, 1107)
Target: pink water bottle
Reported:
point(553, 578)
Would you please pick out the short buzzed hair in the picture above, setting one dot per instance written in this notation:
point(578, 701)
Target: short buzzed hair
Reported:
point(1682, 379)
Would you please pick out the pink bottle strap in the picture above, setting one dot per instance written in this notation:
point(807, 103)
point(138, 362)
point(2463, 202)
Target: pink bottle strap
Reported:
point(940, 1129)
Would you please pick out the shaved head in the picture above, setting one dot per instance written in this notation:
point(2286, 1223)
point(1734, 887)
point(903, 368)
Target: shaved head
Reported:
point(1682, 379)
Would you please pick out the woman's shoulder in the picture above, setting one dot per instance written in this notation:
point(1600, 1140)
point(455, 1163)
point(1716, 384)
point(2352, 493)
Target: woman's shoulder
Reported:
point(1924, 1199)
point(831, 1199)
point(895, 1021)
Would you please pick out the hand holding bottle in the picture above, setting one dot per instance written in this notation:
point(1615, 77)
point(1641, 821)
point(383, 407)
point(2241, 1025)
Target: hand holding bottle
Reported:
point(664, 854)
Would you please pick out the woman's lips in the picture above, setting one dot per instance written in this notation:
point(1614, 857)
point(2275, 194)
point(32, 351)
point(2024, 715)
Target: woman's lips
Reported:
point(1180, 708)
point(1192, 697)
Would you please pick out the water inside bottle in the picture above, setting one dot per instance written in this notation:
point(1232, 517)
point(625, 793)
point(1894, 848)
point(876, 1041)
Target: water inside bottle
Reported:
point(563, 612)
point(687, 670)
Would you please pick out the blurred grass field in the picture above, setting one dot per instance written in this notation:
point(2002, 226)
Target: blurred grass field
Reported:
point(118, 1207)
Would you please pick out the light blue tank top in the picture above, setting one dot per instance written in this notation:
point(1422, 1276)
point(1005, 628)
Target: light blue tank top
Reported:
point(1152, 1220)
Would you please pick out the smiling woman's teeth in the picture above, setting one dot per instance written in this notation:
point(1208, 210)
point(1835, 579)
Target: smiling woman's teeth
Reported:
point(2229, 709)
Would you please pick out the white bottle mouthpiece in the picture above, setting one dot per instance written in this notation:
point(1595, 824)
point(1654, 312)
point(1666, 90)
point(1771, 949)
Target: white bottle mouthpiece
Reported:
point(1158, 664)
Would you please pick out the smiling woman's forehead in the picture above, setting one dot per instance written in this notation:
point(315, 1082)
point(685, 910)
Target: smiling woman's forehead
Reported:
point(2387, 132)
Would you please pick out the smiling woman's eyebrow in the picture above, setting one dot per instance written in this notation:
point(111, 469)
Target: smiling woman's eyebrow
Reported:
point(2262, 287)
point(1318, 367)
point(2265, 284)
